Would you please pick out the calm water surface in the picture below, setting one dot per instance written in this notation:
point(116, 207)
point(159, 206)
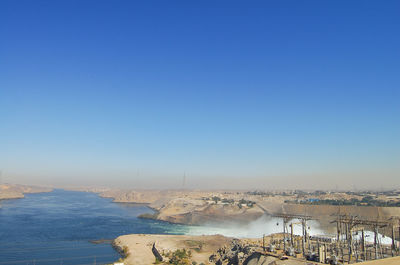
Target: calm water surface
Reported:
point(56, 227)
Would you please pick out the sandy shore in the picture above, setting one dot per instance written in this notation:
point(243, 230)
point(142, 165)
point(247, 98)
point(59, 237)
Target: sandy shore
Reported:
point(139, 246)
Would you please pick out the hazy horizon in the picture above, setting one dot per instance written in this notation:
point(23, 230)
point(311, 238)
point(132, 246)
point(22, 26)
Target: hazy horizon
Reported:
point(232, 95)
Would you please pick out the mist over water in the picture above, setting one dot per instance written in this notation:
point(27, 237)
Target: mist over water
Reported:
point(267, 225)
point(369, 238)
point(256, 229)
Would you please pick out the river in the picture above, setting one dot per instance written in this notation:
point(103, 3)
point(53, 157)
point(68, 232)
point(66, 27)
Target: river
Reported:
point(57, 227)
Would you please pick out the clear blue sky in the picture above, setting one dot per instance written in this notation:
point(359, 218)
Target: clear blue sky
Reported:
point(237, 94)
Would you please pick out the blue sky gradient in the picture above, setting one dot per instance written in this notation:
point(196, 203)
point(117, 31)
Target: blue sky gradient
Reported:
point(260, 94)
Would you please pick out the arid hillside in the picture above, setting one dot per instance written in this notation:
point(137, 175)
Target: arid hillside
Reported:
point(14, 191)
point(200, 207)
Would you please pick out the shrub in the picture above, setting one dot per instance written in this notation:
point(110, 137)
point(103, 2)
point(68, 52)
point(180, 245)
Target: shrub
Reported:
point(180, 257)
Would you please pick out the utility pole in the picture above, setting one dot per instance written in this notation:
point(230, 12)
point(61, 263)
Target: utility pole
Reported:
point(303, 219)
point(337, 236)
point(395, 225)
point(263, 242)
point(393, 241)
point(363, 244)
point(376, 241)
point(284, 235)
point(398, 239)
point(291, 235)
point(303, 237)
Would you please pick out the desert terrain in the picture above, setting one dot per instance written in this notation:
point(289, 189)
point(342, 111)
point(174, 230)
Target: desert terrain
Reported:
point(140, 249)
point(199, 207)
point(15, 191)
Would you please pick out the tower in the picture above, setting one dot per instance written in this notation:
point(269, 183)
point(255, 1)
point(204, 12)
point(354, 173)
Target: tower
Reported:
point(184, 180)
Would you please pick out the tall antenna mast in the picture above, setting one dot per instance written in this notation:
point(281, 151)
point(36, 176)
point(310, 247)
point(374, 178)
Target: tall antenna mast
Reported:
point(184, 180)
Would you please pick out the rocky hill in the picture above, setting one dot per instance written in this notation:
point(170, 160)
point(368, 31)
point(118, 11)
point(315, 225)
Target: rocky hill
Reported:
point(200, 207)
point(14, 191)
point(192, 207)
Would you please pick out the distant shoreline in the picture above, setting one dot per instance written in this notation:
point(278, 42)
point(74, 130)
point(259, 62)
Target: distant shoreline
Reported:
point(16, 191)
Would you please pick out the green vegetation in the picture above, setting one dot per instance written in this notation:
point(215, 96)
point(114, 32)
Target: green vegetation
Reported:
point(180, 257)
point(240, 203)
point(216, 199)
point(259, 193)
point(230, 201)
point(269, 193)
point(125, 251)
point(195, 245)
point(248, 203)
point(158, 261)
point(148, 216)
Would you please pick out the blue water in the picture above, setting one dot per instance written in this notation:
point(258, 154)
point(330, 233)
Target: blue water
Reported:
point(56, 227)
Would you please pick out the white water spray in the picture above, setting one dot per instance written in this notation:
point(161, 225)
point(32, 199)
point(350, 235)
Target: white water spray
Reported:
point(256, 229)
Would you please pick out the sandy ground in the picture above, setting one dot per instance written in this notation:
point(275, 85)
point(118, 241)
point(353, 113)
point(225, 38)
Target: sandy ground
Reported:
point(139, 246)
point(388, 261)
point(202, 247)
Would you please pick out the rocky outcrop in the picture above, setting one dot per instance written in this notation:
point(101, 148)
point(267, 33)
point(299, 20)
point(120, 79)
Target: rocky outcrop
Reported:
point(233, 254)
point(156, 254)
point(258, 258)
point(146, 197)
point(240, 253)
point(197, 212)
point(189, 207)
point(14, 191)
